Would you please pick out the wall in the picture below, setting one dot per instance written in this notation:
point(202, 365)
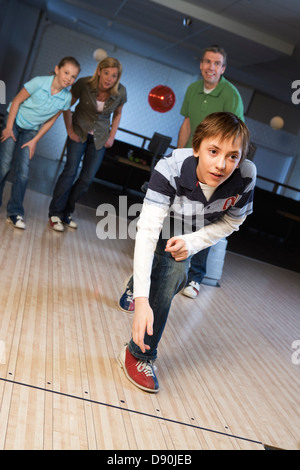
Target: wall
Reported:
point(18, 27)
point(277, 156)
point(139, 76)
point(30, 46)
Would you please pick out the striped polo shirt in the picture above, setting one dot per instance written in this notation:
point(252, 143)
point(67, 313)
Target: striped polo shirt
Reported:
point(174, 184)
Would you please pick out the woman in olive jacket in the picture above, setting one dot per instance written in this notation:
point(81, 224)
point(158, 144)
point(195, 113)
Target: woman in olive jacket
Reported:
point(90, 130)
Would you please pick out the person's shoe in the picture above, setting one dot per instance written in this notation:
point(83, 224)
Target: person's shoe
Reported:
point(56, 223)
point(17, 221)
point(140, 373)
point(191, 290)
point(70, 222)
point(126, 302)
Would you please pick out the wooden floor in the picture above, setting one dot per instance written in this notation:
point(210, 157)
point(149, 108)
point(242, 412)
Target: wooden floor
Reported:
point(225, 365)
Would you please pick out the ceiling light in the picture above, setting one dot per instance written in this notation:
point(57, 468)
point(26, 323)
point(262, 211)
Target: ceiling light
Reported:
point(186, 22)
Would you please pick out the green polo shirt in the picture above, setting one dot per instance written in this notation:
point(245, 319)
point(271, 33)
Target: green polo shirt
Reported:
point(86, 118)
point(197, 104)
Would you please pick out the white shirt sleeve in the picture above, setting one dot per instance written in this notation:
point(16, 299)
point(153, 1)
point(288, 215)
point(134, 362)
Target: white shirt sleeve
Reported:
point(211, 234)
point(148, 230)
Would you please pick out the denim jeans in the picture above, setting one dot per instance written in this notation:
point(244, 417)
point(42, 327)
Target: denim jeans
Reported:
point(168, 277)
point(13, 157)
point(197, 269)
point(66, 192)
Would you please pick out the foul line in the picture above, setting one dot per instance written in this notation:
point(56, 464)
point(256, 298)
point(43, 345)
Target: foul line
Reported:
point(121, 408)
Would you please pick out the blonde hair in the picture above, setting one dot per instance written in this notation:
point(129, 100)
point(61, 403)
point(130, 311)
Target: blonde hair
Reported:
point(105, 64)
point(225, 125)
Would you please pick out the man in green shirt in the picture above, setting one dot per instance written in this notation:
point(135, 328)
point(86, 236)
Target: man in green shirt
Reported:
point(210, 94)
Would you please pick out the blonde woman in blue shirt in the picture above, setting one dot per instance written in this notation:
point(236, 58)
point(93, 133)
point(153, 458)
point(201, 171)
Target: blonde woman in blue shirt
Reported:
point(31, 114)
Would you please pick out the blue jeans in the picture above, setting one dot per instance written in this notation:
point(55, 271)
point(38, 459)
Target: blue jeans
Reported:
point(197, 269)
point(168, 277)
point(66, 192)
point(12, 156)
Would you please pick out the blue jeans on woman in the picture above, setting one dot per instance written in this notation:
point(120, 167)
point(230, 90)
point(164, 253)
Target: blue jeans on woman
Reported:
point(66, 192)
point(168, 277)
point(12, 156)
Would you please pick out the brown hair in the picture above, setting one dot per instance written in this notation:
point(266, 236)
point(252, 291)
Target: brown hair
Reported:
point(67, 60)
point(105, 64)
point(216, 50)
point(224, 125)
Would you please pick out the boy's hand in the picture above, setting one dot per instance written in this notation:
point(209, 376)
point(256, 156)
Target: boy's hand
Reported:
point(142, 322)
point(178, 249)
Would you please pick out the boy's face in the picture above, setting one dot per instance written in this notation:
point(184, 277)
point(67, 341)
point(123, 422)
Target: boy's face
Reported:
point(217, 160)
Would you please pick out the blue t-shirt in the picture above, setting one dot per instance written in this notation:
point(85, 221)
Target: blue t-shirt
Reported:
point(41, 105)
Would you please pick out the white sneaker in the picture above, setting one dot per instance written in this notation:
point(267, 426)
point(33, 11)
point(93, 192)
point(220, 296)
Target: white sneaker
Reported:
point(17, 221)
point(56, 224)
point(70, 222)
point(192, 290)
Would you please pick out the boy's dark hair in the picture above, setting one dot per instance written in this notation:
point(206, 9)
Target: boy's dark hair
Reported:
point(224, 125)
point(216, 50)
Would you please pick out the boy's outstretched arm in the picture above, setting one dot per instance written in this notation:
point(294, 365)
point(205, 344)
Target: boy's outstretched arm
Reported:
point(142, 322)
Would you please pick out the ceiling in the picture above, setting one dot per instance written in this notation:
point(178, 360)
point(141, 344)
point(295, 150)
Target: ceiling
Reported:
point(261, 37)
